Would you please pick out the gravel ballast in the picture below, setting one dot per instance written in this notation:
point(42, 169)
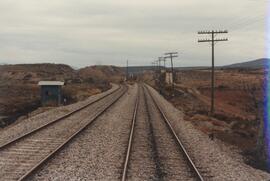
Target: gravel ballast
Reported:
point(215, 160)
point(17, 159)
point(98, 153)
point(32, 122)
point(173, 165)
point(141, 164)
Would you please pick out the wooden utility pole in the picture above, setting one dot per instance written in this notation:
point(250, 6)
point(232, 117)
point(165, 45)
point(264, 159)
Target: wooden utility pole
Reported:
point(172, 55)
point(159, 74)
point(164, 62)
point(127, 72)
point(162, 59)
point(155, 68)
point(213, 41)
point(158, 64)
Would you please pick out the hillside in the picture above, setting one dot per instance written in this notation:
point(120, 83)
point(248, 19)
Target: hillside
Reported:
point(36, 72)
point(20, 94)
point(102, 73)
point(255, 64)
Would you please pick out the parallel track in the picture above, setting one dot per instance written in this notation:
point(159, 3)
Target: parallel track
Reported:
point(29, 151)
point(191, 164)
point(54, 121)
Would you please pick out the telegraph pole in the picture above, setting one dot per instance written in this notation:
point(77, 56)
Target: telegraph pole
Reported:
point(159, 74)
point(160, 59)
point(172, 55)
point(164, 62)
point(155, 68)
point(127, 71)
point(213, 40)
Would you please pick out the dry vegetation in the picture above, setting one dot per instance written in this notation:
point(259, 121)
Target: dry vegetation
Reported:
point(102, 73)
point(238, 107)
point(239, 100)
point(20, 94)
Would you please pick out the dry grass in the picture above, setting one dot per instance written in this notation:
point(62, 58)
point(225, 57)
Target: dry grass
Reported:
point(238, 103)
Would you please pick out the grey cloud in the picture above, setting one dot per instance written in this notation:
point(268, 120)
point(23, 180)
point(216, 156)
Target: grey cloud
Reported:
point(111, 31)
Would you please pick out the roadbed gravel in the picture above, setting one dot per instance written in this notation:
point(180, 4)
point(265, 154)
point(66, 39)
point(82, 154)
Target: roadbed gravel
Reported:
point(173, 165)
point(141, 164)
point(98, 153)
point(17, 159)
point(217, 163)
point(22, 126)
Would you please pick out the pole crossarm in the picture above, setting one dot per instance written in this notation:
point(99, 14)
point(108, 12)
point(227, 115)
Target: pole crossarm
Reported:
point(174, 56)
point(170, 53)
point(215, 32)
point(209, 40)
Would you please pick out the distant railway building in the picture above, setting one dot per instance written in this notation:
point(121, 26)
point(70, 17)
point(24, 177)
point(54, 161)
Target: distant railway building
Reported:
point(51, 92)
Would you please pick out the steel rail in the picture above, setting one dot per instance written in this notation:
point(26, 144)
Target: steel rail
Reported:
point(130, 140)
point(44, 160)
point(56, 120)
point(191, 163)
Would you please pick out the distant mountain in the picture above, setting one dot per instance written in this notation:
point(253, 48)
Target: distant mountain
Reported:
point(254, 64)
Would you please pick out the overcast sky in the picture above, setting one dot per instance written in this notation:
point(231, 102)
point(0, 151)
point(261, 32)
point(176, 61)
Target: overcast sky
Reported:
point(87, 32)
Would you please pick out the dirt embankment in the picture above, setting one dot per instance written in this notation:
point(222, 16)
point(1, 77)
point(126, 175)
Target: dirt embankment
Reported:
point(20, 94)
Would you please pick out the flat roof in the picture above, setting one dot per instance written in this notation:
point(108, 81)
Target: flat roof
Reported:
point(50, 83)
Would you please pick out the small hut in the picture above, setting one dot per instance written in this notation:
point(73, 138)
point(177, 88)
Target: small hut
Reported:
point(51, 93)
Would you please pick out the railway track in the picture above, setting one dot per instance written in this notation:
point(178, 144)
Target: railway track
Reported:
point(189, 161)
point(130, 140)
point(55, 121)
point(22, 156)
point(157, 158)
